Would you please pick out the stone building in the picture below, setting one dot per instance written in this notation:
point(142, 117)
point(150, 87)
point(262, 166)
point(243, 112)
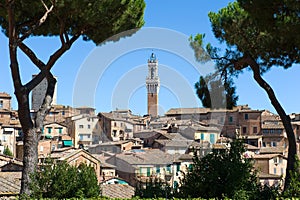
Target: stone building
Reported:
point(120, 125)
point(239, 121)
point(84, 129)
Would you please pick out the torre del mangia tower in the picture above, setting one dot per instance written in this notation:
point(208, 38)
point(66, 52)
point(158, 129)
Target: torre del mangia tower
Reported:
point(152, 84)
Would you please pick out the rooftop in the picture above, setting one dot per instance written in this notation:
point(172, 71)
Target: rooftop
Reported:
point(148, 156)
point(4, 95)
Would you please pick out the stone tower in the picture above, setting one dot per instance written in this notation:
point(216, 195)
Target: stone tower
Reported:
point(152, 84)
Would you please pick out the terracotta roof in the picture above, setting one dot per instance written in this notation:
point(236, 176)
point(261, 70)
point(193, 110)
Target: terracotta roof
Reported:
point(180, 111)
point(144, 157)
point(186, 157)
point(117, 191)
point(267, 150)
point(175, 143)
point(266, 156)
point(4, 95)
point(263, 175)
point(202, 144)
point(272, 126)
point(103, 162)
point(145, 134)
point(10, 183)
point(204, 128)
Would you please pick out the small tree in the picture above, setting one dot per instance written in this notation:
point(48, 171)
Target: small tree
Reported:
point(215, 92)
point(62, 180)
point(7, 151)
point(223, 173)
point(294, 188)
point(154, 188)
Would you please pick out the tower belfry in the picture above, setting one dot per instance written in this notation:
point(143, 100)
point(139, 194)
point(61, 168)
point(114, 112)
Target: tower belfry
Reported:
point(152, 84)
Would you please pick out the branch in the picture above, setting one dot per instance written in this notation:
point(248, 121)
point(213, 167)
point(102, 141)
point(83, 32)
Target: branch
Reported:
point(242, 62)
point(283, 116)
point(31, 55)
point(14, 66)
point(55, 56)
point(38, 24)
point(36, 80)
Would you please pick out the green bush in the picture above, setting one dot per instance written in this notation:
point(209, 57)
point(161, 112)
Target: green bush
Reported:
point(62, 180)
point(7, 151)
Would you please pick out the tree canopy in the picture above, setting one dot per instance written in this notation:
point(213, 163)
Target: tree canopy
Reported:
point(215, 93)
point(94, 20)
point(62, 180)
point(222, 173)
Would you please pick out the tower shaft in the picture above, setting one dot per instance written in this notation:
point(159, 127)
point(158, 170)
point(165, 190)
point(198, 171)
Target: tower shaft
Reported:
point(153, 85)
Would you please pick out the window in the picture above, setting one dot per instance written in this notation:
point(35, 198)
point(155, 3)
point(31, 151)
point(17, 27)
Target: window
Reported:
point(114, 133)
point(115, 124)
point(244, 130)
point(275, 171)
point(157, 169)
point(202, 136)
point(222, 120)
point(1, 104)
point(168, 168)
point(246, 116)
point(60, 130)
point(148, 171)
point(63, 112)
point(49, 129)
point(212, 138)
point(89, 126)
point(254, 129)
point(41, 148)
point(273, 144)
point(80, 137)
point(230, 119)
point(178, 167)
point(81, 126)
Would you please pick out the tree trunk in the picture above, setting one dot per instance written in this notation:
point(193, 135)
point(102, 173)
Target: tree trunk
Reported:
point(32, 133)
point(30, 141)
point(284, 118)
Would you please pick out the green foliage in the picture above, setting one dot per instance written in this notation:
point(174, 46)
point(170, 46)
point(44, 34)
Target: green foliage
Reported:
point(280, 21)
point(294, 188)
point(7, 151)
point(154, 188)
point(215, 92)
point(247, 33)
point(62, 180)
point(94, 20)
point(223, 173)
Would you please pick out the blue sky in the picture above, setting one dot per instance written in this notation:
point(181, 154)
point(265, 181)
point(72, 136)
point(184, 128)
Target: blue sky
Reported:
point(113, 75)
